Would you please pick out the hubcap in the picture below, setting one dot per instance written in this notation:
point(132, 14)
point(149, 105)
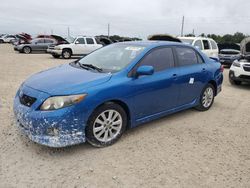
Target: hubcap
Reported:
point(107, 125)
point(26, 50)
point(66, 54)
point(207, 97)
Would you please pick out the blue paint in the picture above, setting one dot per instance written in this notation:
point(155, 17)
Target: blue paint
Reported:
point(147, 97)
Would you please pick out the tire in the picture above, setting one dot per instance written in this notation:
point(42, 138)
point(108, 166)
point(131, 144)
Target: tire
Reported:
point(107, 131)
point(1, 41)
point(66, 54)
point(55, 55)
point(26, 50)
point(232, 81)
point(206, 98)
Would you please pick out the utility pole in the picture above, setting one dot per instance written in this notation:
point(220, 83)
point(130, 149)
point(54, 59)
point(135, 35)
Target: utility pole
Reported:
point(51, 31)
point(68, 32)
point(108, 29)
point(193, 32)
point(182, 26)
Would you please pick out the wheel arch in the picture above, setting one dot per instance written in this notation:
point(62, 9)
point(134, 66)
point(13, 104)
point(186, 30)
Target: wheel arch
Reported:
point(120, 103)
point(214, 84)
point(67, 48)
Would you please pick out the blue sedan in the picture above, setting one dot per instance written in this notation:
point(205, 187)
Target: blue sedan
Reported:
point(96, 98)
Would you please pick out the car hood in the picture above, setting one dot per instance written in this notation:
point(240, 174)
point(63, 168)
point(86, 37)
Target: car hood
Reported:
point(66, 80)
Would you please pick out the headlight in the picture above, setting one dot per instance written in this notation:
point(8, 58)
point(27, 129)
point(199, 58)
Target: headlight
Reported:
point(54, 103)
point(236, 64)
point(57, 48)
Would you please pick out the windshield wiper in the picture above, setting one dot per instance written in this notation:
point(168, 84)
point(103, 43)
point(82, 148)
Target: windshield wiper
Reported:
point(91, 66)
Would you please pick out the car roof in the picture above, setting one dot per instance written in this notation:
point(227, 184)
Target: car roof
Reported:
point(152, 44)
point(195, 38)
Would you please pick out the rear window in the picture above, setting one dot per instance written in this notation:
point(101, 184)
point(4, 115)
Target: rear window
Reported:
point(214, 45)
point(187, 56)
point(206, 45)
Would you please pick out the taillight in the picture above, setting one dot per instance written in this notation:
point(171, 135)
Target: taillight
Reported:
point(221, 68)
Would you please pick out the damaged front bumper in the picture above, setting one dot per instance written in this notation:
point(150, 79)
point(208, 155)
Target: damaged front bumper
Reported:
point(60, 128)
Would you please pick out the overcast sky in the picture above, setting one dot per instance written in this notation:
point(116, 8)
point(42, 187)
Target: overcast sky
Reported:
point(138, 18)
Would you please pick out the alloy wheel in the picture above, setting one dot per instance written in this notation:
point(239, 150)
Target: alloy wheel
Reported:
point(107, 125)
point(207, 97)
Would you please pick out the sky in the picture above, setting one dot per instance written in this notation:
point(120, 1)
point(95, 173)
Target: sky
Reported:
point(132, 18)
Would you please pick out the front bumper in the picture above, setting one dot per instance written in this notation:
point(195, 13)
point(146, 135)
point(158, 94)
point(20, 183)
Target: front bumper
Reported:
point(54, 51)
point(57, 128)
point(242, 77)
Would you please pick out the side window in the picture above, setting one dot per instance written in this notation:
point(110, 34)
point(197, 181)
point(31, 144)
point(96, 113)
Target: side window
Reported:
point(206, 45)
point(186, 56)
point(40, 41)
point(80, 40)
point(198, 44)
point(90, 41)
point(48, 41)
point(214, 45)
point(160, 59)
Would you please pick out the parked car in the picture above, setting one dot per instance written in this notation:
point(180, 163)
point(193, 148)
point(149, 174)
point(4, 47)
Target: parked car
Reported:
point(7, 38)
point(80, 46)
point(228, 56)
point(119, 86)
point(38, 44)
point(164, 37)
point(240, 70)
point(206, 45)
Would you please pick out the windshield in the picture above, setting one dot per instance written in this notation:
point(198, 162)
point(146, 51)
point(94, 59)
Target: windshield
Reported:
point(187, 41)
point(113, 58)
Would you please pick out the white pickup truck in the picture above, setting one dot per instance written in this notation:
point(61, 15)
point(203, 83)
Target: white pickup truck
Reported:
point(81, 45)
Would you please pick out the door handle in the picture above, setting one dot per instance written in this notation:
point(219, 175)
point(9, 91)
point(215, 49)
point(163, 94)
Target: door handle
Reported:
point(175, 76)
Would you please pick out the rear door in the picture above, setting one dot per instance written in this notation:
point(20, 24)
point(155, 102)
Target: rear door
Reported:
point(91, 45)
point(192, 75)
point(158, 92)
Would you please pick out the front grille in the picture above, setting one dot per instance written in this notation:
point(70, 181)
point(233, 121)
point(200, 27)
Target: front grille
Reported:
point(245, 77)
point(27, 100)
point(246, 68)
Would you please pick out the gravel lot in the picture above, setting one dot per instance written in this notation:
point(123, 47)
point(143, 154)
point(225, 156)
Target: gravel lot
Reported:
point(187, 149)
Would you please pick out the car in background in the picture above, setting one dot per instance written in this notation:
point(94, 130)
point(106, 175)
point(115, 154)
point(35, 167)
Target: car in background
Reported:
point(240, 70)
point(35, 45)
point(81, 45)
point(164, 37)
point(120, 86)
point(7, 38)
point(228, 56)
point(206, 45)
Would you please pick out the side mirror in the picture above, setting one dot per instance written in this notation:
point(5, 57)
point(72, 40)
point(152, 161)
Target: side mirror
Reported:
point(77, 42)
point(144, 70)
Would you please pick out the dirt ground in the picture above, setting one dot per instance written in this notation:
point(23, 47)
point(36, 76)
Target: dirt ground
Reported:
point(187, 149)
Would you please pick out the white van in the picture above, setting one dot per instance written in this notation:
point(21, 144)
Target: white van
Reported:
point(206, 45)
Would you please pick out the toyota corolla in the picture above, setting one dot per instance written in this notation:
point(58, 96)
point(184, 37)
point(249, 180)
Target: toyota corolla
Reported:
point(96, 98)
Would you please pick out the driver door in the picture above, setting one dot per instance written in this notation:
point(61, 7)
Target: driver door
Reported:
point(156, 93)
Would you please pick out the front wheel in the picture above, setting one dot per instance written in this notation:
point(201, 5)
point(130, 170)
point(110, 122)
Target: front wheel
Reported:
point(27, 50)
point(66, 54)
point(106, 125)
point(206, 98)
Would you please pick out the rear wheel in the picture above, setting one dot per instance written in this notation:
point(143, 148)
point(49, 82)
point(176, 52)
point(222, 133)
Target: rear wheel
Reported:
point(27, 50)
point(106, 125)
point(1, 41)
point(206, 98)
point(66, 54)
